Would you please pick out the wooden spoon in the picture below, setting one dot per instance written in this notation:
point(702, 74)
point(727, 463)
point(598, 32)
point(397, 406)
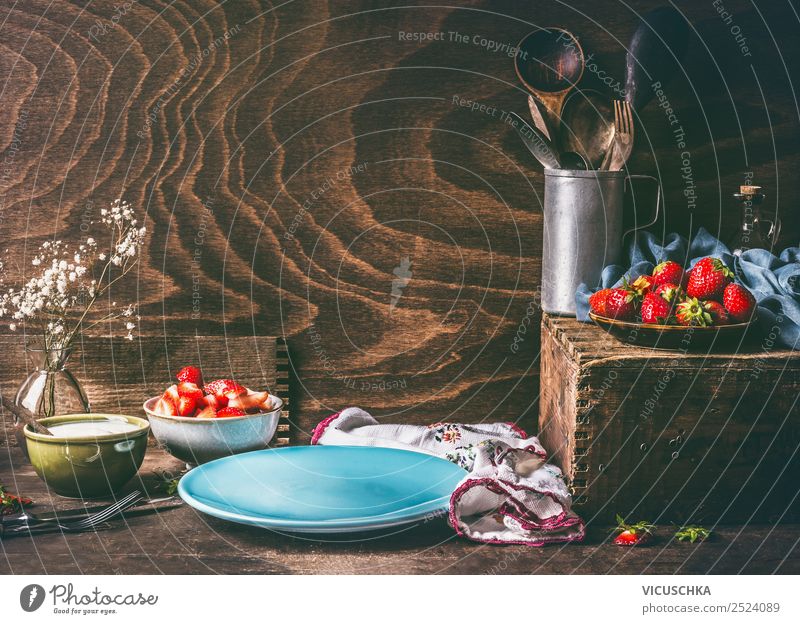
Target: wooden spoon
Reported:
point(549, 63)
point(26, 416)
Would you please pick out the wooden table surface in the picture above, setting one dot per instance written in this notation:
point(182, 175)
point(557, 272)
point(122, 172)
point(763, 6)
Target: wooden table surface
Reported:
point(183, 541)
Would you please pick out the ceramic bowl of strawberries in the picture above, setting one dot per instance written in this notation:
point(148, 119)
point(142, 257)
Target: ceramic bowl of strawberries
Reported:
point(702, 308)
point(198, 422)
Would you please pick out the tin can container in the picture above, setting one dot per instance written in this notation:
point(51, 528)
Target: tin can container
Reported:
point(583, 230)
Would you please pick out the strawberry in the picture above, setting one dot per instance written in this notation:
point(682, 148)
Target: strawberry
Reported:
point(207, 412)
point(633, 534)
point(597, 302)
point(739, 302)
point(222, 387)
point(190, 374)
point(668, 272)
point(171, 394)
point(642, 285)
point(190, 390)
point(692, 312)
point(165, 407)
point(186, 406)
point(209, 400)
point(249, 401)
point(670, 292)
point(719, 315)
point(621, 304)
point(655, 309)
point(229, 412)
point(708, 279)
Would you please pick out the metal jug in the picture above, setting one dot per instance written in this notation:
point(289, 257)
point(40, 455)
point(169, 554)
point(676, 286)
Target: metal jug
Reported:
point(582, 231)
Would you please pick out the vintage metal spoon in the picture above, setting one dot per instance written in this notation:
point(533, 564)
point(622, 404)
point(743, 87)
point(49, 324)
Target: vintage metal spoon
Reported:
point(587, 126)
point(538, 145)
point(549, 64)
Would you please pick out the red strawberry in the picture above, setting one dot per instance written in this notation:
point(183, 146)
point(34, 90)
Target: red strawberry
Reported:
point(207, 412)
point(642, 285)
point(633, 534)
point(655, 309)
point(597, 302)
point(190, 374)
point(228, 412)
point(719, 315)
point(249, 401)
point(209, 400)
point(187, 406)
point(708, 279)
point(621, 304)
point(172, 395)
point(222, 387)
point(692, 312)
point(190, 390)
point(165, 407)
point(668, 272)
point(670, 292)
point(739, 302)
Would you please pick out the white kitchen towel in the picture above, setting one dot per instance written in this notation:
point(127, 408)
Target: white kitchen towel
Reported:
point(511, 495)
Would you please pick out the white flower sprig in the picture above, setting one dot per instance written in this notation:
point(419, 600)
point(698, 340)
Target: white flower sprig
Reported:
point(69, 280)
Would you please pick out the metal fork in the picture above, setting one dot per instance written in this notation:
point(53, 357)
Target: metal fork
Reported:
point(622, 146)
point(34, 525)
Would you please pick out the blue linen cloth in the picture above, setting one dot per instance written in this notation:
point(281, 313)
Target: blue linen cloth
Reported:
point(774, 281)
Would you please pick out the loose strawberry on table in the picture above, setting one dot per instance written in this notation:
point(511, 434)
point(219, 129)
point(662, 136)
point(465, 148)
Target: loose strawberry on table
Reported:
point(633, 534)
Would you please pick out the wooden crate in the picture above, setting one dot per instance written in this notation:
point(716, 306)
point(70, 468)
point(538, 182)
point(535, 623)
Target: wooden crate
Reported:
point(670, 436)
point(118, 375)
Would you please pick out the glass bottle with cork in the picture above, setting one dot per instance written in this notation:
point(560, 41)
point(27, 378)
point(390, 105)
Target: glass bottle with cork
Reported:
point(750, 234)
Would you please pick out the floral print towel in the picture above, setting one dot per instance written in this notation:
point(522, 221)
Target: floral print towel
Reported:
point(510, 495)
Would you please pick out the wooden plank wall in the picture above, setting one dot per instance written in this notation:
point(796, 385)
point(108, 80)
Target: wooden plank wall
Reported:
point(119, 375)
point(289, 156)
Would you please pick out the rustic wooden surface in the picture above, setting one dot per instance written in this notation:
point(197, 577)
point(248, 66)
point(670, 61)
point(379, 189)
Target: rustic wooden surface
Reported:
point(224, 143)
point(182, 541)
point(671, 436)
point(116, 386)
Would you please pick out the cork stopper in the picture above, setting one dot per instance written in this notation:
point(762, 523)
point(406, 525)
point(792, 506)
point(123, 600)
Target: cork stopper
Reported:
point(749, 190)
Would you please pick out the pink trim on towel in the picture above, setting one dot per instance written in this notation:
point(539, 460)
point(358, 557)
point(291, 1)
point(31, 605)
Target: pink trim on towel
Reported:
point(518, 430)
point(322, 426)
point(547, 524)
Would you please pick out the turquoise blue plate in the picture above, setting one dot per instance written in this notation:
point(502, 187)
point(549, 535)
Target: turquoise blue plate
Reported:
point(323, 489)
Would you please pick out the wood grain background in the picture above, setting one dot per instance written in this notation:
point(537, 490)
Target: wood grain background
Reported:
point(289, 155)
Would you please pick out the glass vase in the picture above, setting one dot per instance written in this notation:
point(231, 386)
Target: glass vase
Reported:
point(50, 390)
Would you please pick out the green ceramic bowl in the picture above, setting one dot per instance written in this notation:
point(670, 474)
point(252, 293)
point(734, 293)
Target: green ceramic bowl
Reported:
point(89, 466)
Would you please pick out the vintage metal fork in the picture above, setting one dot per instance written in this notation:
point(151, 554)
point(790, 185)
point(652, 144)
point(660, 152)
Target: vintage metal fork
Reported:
point(31, 524)
point(622, 146)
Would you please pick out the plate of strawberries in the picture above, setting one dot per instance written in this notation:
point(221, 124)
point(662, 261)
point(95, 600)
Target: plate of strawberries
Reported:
point(677, 309)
